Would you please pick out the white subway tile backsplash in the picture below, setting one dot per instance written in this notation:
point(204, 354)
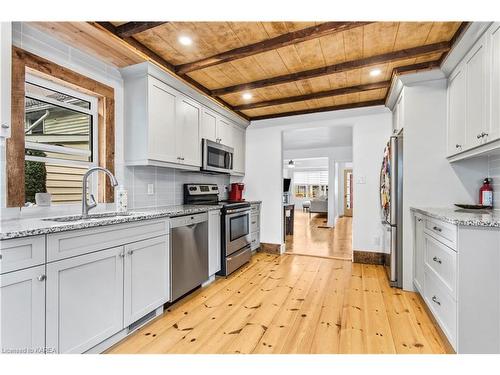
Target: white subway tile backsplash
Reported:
point(168, 185)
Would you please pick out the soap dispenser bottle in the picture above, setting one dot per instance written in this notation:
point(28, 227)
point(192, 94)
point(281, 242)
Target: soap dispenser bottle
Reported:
point(121, 200)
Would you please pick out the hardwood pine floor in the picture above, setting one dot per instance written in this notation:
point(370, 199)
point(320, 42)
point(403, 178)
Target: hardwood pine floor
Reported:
point(310, 239)
point(292, 304)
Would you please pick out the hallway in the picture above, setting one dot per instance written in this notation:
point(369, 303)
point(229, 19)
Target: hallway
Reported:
point(312, 237)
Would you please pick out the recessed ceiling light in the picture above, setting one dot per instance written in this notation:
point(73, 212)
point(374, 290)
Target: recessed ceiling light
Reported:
point(185, 40)
point(247, 96)
point(375, 72)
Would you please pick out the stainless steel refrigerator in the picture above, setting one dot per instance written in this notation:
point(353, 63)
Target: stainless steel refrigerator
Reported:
point(391, 203)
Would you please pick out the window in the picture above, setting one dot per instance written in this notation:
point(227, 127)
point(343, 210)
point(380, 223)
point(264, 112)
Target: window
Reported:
point(60, 140)
point(310, 184)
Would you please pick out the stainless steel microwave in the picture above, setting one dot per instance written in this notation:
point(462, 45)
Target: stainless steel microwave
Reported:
point(216, 157)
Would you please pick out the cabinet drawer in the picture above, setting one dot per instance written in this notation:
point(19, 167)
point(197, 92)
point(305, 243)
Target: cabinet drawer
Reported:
point(69, 244)
point(255, 207)
point(444, 232)
point(21, 253)
point(255, 240)
point(254, 223)
point(441, 260)
point(442, 305)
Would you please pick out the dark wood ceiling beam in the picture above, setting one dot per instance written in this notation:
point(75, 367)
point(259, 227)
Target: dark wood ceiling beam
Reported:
point(154, 57)
point(337, 68)
point(132, 28)
point(316, 95)
point(369, 103)
point(270, 44)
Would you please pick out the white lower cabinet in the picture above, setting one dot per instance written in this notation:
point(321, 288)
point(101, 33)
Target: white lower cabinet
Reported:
point(84, 300)
point(418, 279)
point(456, 272)
point(147, 282)
point(214, 242)
point(255, 226)
point(23, 311)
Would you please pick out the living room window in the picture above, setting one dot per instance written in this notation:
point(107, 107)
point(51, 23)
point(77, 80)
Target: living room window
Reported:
point(310, 184)
point(60, 140)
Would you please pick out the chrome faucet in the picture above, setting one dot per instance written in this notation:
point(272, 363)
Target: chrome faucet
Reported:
point(86, 206)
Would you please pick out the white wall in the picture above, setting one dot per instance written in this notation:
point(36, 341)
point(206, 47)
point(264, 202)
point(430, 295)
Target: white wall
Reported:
point(369, 139)
point(264, 165)
point(429, 179)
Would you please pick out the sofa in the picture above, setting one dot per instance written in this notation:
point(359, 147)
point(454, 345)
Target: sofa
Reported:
point(319, 206)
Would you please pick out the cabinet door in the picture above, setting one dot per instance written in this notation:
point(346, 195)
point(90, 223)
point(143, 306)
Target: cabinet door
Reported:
point(419, 253)
point(456, 111)
point(209, 125)
point(494, 121)
point(162, 125)
point(84, 300)
point(188, 132)
point(225, 132)
point(147, 277)
point(214, 244)
point(23, 311)
point(5, 77)
point(476, 94)
point(239, 149)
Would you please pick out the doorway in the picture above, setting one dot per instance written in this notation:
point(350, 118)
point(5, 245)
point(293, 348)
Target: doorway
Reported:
point(348, 196)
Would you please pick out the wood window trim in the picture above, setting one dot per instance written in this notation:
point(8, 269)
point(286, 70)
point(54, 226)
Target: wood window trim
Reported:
point(23, 62)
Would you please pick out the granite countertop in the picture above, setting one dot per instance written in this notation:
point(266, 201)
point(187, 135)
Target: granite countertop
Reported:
point(18, 228)
point(458, 216)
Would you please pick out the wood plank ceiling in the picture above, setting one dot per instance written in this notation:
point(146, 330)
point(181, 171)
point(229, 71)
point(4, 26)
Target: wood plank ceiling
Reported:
point(284, 68)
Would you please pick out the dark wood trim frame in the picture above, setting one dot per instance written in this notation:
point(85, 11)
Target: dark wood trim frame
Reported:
point(22, 62)
point(337, 68)
point(315, 95)
point(369, 103)
point(269, 44)
point(131, 28)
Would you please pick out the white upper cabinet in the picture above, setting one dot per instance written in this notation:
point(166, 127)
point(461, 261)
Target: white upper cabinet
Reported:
point(5, 77)
point(494, 103)
point(209, 124)
point(165, 122)
point(456, 111)
point(162, 115)
point(476, 91)
point(474, 99)
point(187, 132)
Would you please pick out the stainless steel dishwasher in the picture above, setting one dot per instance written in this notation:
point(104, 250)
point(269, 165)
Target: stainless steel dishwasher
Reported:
point(189, 253)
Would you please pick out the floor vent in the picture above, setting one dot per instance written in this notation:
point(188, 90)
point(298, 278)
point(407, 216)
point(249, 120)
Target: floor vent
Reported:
point(141, 321)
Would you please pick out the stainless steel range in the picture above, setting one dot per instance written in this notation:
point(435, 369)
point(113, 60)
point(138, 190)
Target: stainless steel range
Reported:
point(235, 225)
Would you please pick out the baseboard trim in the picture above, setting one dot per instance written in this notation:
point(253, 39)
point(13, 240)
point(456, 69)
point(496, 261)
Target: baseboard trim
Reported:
point(270, 248)
point(368, 257)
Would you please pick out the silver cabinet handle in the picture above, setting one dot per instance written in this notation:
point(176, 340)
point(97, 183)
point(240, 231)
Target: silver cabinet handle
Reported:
point(0, 256)
point(458, 146)
point(479, 136)
point(483, 134)
point(42, 278)
point(121, 255)
point(437, 260)
point(5, 126)
point(435, 300)
point(419, 219)
point(130, 252)
point(437, 229)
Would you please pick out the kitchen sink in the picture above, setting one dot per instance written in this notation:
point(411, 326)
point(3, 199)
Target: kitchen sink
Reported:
point(104, 215)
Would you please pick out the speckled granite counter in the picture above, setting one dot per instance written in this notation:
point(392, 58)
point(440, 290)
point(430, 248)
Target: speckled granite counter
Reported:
point(31, 227)
point(481, 218)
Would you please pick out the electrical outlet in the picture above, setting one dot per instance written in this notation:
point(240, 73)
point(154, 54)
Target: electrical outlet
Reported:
point(151, 189)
